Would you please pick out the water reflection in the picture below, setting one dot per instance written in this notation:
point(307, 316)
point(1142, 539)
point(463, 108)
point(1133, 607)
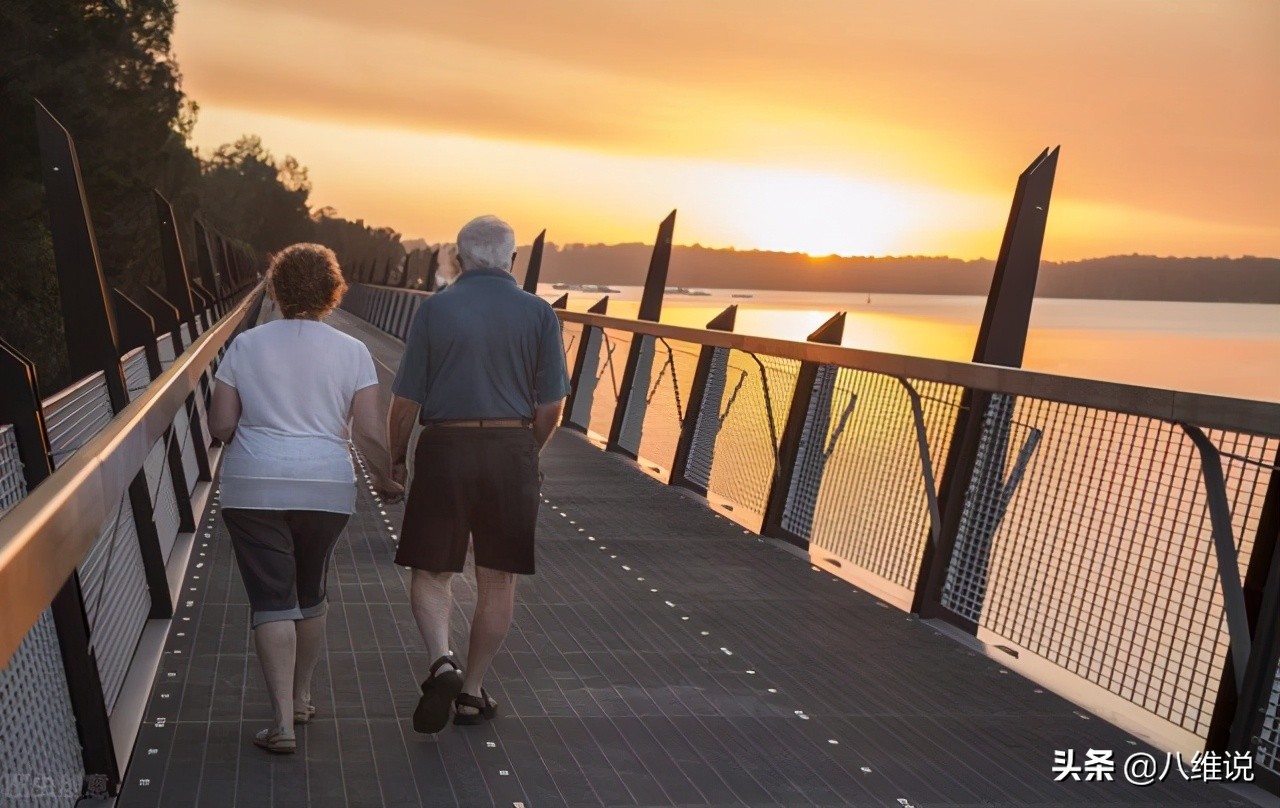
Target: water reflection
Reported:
point(1226, 349)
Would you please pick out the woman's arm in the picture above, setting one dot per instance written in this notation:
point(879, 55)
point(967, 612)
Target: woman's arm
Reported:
point(367, 432)
point(224, 412)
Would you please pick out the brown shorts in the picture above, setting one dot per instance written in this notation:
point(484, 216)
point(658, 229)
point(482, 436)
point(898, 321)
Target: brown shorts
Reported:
point(477, 484)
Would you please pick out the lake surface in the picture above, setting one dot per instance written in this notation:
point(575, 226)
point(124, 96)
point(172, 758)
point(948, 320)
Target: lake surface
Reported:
point(1223, 348)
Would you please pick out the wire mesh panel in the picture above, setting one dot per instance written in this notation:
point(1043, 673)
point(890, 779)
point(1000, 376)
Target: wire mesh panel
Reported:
point(164, 346)
point(13, 485)
point(186, 445)
point(872, 508)
point(1267, 743)
point(706, 427)
point(1099, 548)
point(1004, 445)
point(667, 395)
point(613, 360)
point(570, 333)
point(164, 500)
point(116, 598)
point(136, 373)
point(40, 760)
point(753, 413)
point(75, 415)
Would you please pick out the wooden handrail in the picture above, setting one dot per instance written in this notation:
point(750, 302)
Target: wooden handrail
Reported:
point(1211, 411)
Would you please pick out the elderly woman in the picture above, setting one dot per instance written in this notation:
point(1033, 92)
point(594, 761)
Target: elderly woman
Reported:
point(291, 394)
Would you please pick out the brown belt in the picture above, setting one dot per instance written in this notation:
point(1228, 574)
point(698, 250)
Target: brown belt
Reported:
point(490, 422)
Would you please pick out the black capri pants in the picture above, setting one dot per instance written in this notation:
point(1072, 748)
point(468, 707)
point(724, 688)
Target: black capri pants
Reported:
point(284, 559)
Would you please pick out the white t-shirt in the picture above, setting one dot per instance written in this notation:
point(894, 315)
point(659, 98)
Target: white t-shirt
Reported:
point(291, 450)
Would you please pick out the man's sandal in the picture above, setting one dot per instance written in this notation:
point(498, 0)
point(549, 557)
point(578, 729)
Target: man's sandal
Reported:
point(438, 692)
point(275, 742)
point(301, 717)
point(486, 708)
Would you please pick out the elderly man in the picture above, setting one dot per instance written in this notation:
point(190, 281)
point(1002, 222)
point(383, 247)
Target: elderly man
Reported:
point(483, 372)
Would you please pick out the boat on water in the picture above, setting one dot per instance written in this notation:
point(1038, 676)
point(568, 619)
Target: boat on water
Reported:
point(742, 295)
point(586, 287)
point(684, 290)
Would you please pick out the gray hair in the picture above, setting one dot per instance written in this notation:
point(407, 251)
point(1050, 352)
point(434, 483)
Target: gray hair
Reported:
point(486, 242)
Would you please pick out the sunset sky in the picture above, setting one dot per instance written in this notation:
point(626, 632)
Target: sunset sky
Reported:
point(824, 126)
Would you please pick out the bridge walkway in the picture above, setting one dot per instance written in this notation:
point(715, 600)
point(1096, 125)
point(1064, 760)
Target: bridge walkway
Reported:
point(660, 657)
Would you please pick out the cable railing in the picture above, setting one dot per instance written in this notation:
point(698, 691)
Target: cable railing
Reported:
point(1117, 540)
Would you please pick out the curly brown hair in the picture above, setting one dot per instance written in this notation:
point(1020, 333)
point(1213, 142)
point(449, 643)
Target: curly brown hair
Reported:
point(305, 281)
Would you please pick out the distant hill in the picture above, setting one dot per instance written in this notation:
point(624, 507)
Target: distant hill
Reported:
point(1123, 277)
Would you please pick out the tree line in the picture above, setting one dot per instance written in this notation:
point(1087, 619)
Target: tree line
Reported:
point(106, 70)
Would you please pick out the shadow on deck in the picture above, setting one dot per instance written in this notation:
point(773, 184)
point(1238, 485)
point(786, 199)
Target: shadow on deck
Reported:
point(659, 657)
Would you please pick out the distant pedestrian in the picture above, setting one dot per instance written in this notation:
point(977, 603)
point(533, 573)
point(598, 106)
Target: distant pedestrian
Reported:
point(483, 372)
point(287, 392)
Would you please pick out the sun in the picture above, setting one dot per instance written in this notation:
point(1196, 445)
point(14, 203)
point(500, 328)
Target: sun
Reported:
point(796, 211)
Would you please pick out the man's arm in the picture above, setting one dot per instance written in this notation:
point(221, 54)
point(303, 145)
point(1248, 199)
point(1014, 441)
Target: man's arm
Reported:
point(400, 420)
point(552, 380)
point(546, 417)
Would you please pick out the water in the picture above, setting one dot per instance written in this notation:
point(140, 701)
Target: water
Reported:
point(1227, 349)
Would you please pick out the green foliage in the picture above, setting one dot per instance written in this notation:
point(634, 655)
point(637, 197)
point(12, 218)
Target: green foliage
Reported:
point(106, 71)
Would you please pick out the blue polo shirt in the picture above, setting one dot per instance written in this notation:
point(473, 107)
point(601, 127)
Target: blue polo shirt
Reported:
point(483, 348)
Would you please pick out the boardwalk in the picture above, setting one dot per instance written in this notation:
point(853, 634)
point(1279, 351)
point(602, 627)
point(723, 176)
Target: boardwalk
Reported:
point(660, 657)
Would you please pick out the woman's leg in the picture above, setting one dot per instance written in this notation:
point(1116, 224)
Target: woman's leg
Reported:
point(264, 552)
point(276, 645)
point(315, 534)
point(310, 647)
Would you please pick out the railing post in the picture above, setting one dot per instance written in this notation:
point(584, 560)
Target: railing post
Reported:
point(1238, 712)
point(404, 277)
point(230, 285)
point(204, 317)
point(802, 442)
point(176, 282)
point(208, 281)
point(695, 450)
point(138, 329)
point(91, 346)
point(167, 318)
point(1001, 341)
point(433, 266)
point(628, 418)
point(534, 268)
point(582, 387)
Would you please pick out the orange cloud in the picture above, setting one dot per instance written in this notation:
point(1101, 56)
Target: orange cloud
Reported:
point(1164, 109)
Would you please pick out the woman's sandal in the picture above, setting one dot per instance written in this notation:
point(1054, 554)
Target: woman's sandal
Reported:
point(438, 692)
point(274, 742)
point(486, 708)
point(300, 717)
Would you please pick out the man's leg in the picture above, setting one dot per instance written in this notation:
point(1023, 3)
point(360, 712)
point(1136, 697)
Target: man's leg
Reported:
point(431, 596)
point(495, 601)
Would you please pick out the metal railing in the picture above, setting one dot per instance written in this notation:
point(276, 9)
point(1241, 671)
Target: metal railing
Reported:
point(79, 525)
point(99, 487)
point(1119, 537)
